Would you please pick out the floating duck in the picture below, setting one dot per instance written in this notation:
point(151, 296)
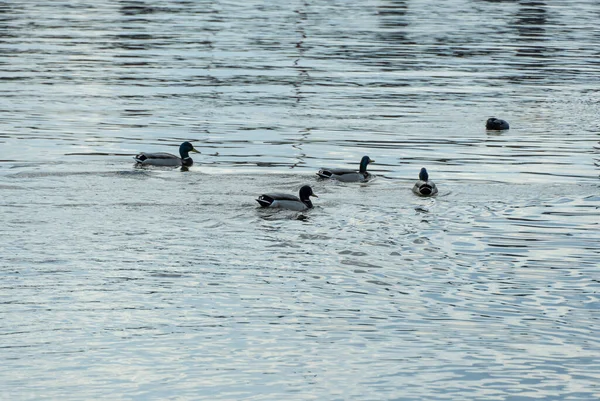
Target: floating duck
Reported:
point(496, 124)
point(424, 187)
point(290, 202)
point(347, 174)
point(167, 159)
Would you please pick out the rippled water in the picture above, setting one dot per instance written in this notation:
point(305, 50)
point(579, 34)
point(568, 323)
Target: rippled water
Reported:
point(125, 283)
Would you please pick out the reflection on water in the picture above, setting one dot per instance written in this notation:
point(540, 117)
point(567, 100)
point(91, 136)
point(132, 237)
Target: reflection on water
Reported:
point(158, 283)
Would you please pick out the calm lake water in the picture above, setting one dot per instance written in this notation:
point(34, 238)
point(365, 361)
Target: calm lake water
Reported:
point(148, 284)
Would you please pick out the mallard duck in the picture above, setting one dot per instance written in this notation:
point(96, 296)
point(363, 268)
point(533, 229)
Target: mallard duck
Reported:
point(290, 202)
point(348, 174)
point(496, 124)
point(424, 187)
point(167, 159)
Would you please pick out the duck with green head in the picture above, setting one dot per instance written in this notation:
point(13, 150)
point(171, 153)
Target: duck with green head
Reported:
point(167, 159)
point(347, 174)
point(424, 187)
point(289, 202)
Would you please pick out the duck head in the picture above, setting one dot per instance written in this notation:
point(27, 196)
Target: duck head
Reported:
point(305, 193)
point(185, 149)
point(423, 175)
point(364, 162)
point(496, 124)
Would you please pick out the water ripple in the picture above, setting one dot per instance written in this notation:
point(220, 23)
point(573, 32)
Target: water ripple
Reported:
point(160, 283)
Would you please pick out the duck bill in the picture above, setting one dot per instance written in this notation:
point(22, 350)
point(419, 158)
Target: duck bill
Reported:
point(195, 151)
point(314, 195)
point(371, 161)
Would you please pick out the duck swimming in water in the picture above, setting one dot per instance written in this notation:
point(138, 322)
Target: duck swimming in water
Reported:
point(290, 202)
point(424, 187)
point(496, 124)
point(347, 174)
point(167, 159)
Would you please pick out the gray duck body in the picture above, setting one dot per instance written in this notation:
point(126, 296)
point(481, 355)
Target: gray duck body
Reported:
point(348, 174)
point(287, 201)
point(167, 159)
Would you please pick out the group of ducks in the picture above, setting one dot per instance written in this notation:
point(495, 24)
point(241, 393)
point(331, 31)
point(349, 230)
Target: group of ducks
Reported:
point(423, 187)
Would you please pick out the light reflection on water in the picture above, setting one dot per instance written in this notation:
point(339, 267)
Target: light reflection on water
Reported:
point(153, 283)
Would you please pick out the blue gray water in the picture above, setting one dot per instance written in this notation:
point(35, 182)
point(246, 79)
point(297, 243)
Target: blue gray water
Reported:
point(147, 284)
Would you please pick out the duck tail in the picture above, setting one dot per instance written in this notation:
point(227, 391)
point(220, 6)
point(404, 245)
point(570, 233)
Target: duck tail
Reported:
point(140, 158)
point(324, 173)
point(264, 201)
point(425, 189)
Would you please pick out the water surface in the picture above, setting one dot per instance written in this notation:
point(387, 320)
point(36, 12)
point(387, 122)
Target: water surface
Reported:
point(125, 283)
